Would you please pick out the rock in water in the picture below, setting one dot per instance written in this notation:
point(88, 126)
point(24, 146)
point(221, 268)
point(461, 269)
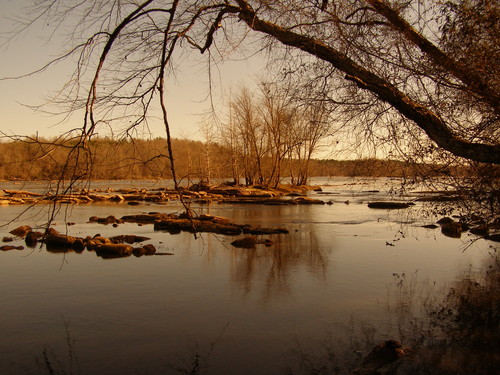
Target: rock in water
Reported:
point(250, 242)
point(31, 239)
point(21, 231)
point(380, 356)
point(389, 205)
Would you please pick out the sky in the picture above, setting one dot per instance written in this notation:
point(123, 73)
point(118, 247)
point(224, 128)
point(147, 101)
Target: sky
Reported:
point(186, 101)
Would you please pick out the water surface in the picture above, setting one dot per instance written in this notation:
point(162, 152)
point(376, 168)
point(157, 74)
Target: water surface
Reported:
point(230, 310)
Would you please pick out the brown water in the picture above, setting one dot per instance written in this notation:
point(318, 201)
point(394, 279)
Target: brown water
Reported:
point(231, 311)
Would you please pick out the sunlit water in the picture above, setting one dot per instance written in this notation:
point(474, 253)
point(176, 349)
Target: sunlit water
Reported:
point(234, 311)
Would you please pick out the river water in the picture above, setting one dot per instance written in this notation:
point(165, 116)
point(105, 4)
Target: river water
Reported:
point(211, 308)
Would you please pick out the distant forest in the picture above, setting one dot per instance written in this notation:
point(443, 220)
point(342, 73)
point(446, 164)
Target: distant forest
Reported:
point(147, 159)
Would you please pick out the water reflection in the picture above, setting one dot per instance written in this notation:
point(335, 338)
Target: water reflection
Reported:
point(272, 270)
point(456, 334)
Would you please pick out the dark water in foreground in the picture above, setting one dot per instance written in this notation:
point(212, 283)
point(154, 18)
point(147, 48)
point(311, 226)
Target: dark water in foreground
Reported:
point(225, 310)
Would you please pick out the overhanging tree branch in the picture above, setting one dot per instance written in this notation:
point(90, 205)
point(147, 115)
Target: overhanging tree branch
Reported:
point(435, 128)
point(473, 81)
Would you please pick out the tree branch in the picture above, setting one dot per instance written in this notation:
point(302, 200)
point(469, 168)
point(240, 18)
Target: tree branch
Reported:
point(435, 128)
point(473, 81)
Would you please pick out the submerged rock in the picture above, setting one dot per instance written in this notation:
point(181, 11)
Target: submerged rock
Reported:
point(480, 230)
point(380, 356)
point(144, 218)
point(389, 205)
point(250, 242)
point(10, 247)
point(494, 237)
point(128, 238)
point(105, 220)
point(148, 249)
point(214, 225)
point(445, 220)
point(306, 200)
point(452, 228)
point(430, 226)
point(266, 231)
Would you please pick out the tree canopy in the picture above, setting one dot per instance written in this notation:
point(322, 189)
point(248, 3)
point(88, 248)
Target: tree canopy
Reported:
point(420, 73)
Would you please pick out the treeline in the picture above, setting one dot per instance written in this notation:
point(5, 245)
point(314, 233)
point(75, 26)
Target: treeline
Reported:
point(147, 159)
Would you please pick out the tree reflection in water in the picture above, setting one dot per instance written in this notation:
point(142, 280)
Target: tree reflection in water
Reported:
point(455, 332)
point(278, 264)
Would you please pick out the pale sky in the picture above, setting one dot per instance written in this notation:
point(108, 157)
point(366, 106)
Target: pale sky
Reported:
point(186, 101)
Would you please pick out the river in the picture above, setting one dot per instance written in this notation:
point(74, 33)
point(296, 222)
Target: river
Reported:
point(211, 308)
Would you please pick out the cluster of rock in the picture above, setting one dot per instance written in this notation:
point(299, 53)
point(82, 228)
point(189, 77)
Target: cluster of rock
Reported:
point(451, 228)
point(174, 224)
point(196, 193)
point(112, 247)
point(121, 246)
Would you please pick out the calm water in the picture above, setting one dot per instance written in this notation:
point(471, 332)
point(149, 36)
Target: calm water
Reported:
point(239, 311)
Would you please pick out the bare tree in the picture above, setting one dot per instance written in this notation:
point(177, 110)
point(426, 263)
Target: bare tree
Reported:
point(313, 127)
point(279, 119)
point(250, 133)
